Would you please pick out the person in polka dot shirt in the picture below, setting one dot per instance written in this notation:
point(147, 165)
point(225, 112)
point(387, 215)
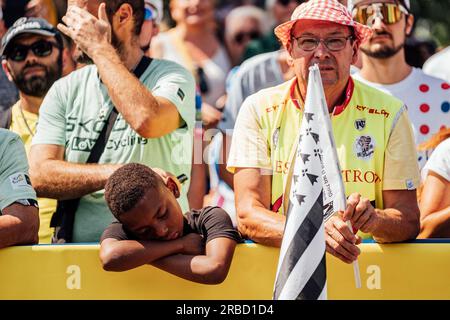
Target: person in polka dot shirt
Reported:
point(385, 67)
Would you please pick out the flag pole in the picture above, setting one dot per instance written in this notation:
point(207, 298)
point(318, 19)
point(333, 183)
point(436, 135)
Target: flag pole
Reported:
point(342, 200)
point(356, 272)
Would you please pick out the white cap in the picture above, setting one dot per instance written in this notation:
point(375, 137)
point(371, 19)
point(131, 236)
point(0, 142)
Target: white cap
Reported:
point(158, 5)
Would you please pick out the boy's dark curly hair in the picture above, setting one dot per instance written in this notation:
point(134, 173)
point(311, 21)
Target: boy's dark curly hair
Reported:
point(127, 185)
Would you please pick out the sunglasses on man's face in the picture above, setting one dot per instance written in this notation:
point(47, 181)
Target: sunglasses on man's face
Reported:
point(241, 36)
point(41, 48)
point(389, 13)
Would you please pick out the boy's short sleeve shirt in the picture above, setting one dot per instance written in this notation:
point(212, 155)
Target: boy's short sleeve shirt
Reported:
point(210, 222)
point(14, 180)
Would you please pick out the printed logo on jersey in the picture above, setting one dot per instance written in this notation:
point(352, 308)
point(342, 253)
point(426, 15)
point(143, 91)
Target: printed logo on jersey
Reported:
point(282, 167)
point(273, 108)
point(410, 185)
point(103, 112)
point(381, 112)
point(356, 176)
point(364, 147)
point(181, 94)
point(19, 180)
point(85, 127)
point(172, 87)
point(275, 138)
point(360, 124)
point(82, 144)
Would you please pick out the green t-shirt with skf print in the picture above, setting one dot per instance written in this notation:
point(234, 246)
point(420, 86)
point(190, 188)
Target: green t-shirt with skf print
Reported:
point(77, 107)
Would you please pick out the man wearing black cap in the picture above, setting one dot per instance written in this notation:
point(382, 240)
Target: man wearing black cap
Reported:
point(31, 54)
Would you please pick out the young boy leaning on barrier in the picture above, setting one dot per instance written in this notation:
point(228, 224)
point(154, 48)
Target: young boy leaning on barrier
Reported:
point(151, 229)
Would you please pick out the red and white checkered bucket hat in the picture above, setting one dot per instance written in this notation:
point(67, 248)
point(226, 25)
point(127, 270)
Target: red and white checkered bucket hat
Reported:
point(323, 10)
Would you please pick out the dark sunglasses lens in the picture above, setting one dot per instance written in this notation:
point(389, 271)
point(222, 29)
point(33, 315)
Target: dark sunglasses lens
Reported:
point(238, 38)
point(18, 53)
point(254, 35)
point(42, 48)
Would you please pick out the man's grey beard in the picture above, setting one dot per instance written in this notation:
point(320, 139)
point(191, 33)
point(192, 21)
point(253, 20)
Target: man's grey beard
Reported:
point(38, 86)
point(383, 53)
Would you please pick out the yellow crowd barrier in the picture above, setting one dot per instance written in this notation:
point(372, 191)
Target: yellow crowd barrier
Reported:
point(395, 271)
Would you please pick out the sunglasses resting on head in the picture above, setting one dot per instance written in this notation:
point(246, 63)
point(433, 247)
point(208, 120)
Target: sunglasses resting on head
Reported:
point(389, 13)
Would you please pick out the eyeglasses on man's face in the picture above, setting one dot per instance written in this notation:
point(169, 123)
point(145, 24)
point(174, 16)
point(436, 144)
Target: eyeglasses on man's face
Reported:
point(389, 13)
point(40, 48)
point(332, 43)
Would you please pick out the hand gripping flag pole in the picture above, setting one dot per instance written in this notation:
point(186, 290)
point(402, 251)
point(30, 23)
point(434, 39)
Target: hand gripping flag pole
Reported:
point(334, 198)
point(317, 192)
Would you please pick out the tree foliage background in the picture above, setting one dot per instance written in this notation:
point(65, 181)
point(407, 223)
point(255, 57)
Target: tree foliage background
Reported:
point(432, 20)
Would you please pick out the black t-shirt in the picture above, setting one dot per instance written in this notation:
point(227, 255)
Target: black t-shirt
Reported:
point(210, 222)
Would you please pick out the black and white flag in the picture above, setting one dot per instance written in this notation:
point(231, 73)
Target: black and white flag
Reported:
point(317, 192)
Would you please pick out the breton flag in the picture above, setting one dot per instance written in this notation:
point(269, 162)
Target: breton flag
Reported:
point(317, 191)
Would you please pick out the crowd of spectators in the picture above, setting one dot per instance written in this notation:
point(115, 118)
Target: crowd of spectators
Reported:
point(96, 95)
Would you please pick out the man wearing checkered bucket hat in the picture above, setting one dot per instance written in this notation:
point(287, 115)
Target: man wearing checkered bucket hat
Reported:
point(373, 136)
